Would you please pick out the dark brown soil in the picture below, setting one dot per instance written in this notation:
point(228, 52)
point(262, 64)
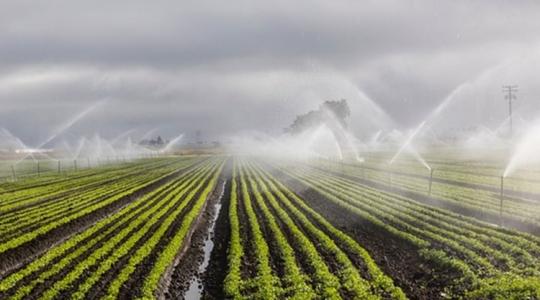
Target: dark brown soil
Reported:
point(19, 256)
point(217, 268)
point(187, 266)
point(100, 288)
point(132, 287)
point(329, 259)
point(249, 262)
point(38, 289)
point(191, 259)
point(418, 278)
point(276, 262)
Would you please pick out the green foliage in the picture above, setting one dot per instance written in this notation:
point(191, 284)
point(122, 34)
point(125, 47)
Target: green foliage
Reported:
point(132, 222)
point(471, 249)
point(168, 255)
point(507, 287)
point(266, 282)
point(380, 282)
point(477, 260)
point(233, 281)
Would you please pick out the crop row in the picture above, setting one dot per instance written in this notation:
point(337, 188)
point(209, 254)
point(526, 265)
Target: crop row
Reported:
point(468, 172)
point(53, 214)
point(142, 238)
point(295, 252)
point(466, 197)
point(52, 178)
point(49, 209)
point(477, 251)
point(37, 191)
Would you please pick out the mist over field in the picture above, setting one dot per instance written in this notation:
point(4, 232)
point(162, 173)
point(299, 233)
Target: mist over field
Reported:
point(188, 66)
point(270, 150)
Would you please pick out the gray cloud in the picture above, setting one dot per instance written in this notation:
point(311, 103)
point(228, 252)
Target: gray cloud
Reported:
point(222, 68)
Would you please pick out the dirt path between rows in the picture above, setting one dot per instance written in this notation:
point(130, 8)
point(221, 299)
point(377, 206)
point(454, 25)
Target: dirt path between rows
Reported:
point(24, 253)
point(418, 278)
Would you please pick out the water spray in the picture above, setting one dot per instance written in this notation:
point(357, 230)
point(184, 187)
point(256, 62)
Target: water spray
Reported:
point(526, 150)
point(65, 127)
point(408, 141)
point(171, 143)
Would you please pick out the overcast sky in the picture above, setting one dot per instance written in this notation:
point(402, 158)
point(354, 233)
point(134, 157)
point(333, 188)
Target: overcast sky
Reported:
point(229, 66)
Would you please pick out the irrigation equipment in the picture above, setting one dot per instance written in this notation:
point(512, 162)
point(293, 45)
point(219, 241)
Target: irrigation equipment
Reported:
point(502, 199)
point(430, 181)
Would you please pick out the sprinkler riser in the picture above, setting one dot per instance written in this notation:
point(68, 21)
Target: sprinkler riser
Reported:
point(502, 199)
point(430, 182)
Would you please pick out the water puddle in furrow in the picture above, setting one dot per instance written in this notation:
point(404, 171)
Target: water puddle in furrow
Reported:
point(196, 287)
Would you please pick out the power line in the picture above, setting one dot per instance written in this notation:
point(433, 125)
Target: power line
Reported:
point(510, 91)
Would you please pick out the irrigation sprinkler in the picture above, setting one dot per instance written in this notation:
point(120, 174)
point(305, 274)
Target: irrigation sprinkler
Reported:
point(430, 181)
point(38, 169)
point(75, 164)
point(88, 161)
point(13, 172)
point(391, 174)
point(502, 198)
point(59, 167)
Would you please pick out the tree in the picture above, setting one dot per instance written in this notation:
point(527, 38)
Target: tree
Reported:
point(329, 111)
point(334, 115)
point(340, 110)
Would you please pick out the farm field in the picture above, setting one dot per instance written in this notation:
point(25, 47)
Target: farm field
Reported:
point(242, 227)
point(470, 187)
point(269, 150)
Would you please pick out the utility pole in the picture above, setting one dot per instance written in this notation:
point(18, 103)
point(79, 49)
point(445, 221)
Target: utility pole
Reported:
point(510, 91)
